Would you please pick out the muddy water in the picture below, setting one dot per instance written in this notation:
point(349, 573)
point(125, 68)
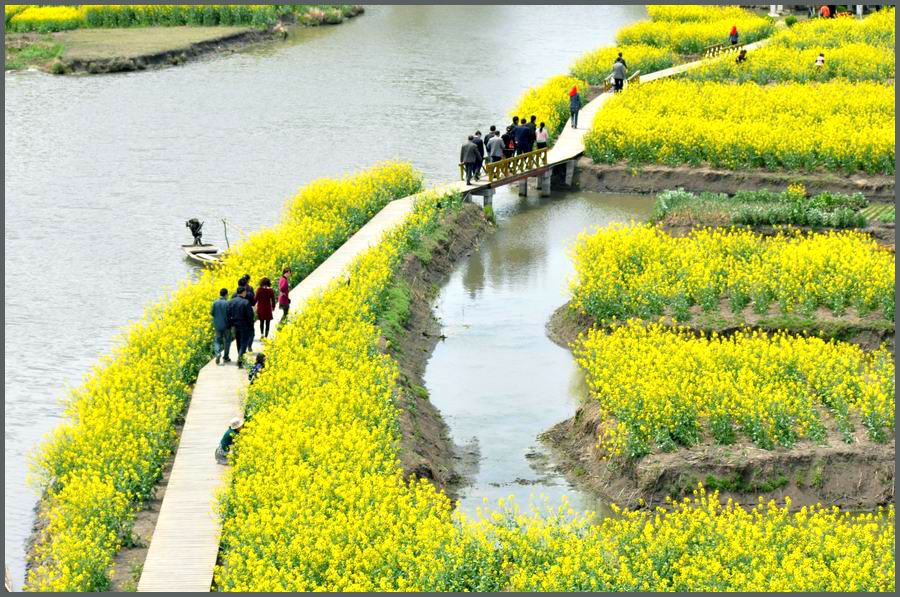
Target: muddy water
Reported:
point(101, 172)
point(497, 379)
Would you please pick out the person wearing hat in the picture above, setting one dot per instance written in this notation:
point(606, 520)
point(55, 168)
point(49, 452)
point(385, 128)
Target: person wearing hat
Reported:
point(574, 105)
point(225, 444)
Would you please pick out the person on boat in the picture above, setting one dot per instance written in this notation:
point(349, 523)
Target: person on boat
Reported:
point(240, 315)
point(820, 61)
point(495, 148)
point(219, 313)
point(618, 73)
point(509, 143)
point(742, 56)
point(257, 367)
point(224, 447)
point(265, 306)
point(468, 157)
point(733, 36)
point(574, 105)
point(284, 301)
point(479, 143)
point(541, 136)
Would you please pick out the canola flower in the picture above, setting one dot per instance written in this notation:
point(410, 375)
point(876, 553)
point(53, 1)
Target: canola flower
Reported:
point(596, 66)
point(837, 126)
point(877, 30)
point(119, 427)
point(624, 271)
point(549, 102)
point(663, 388)
point(681, 13)
point(691, 37)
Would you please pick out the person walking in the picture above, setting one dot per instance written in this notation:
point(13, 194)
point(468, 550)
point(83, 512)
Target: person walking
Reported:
point(622, 60)
point(224, 447)
point(733, 36)
point(532, 132)
point(265, 306)
point(284, 301)
point(468, 156)
point(479, 143)
point(541, 136)
point(618, 73)
point(495, 149)
point(574, 105)
point(509, 143)
point(251, 299)
point(240, 314)
point(219, 313)
point(521, 134)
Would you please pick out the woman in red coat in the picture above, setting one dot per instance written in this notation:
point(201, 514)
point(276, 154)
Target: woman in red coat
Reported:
point(265, 304)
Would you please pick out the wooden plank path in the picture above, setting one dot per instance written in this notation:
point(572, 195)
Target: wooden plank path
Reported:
point(185, 542)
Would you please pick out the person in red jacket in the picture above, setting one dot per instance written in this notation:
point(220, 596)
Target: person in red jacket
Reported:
point(283, 300)
point(265, 305)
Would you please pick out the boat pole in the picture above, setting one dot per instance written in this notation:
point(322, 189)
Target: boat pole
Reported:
point(225, 226)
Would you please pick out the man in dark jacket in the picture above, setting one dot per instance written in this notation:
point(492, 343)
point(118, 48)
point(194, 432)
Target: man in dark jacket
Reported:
point(509, 143)
point(532, 135)
point(522, 134)
point(251, 298)
point(468, 156)
point(219, 313)
point(479, 143)
point(240, 314)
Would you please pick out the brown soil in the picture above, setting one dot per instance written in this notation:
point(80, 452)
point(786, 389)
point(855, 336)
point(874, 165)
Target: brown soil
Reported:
point(426, 451)
point(654, 178)
point(857, 475)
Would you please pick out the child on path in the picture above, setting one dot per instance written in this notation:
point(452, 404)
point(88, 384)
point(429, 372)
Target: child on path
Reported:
point(227, 440)
point(257, 367)
point(265, 305)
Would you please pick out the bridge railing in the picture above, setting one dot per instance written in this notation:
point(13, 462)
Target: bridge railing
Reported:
point(507, 167)
point(720, 49)
point(633, 79)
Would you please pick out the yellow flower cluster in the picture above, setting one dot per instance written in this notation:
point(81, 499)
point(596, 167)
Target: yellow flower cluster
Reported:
point(550, 102)
point(639, 270)
point(596, 66)
point(694, 12)
point(46, 18)
point(120, 427)
point(663, 388)
point(833, 126)
point(700, 545)
point(856, 50)
point(691, 37)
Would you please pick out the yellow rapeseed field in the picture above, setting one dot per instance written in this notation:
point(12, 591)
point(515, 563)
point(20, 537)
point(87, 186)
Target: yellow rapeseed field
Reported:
point(691, 37)
point(119, 430)
point(595, 66)
point(662, 388)
point(639, 270)
point(837, 125)
point(694, 12)
point(549, 101)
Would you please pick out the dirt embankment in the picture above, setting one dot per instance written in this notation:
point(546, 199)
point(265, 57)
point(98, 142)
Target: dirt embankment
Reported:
point(857, 475)
point(426, 450)
point(654, 178)
point(881, 232)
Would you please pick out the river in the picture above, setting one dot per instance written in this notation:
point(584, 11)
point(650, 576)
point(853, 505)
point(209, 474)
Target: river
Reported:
point(102, 171)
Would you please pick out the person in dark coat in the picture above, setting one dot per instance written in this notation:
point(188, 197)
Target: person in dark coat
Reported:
point(622, 60)
point(733, 36)
point(468, 156)
point(240, 315)
point(509, 143)
point(219, 313)
point(522, 134)
point(532, 132)
point(251, 298)
point(265, 306)
point(479, 143)
point(574, 105)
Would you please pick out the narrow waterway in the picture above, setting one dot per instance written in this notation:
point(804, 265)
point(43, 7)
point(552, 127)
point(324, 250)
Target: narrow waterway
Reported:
point(497, 379)
point(102, 171)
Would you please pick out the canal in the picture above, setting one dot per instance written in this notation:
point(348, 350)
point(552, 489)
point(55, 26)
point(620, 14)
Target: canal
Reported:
point(102, 171)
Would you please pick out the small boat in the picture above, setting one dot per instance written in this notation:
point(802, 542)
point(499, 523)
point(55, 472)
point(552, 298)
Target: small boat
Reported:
point(205, 254)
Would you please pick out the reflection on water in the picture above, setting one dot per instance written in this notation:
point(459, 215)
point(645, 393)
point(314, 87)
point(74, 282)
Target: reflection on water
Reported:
point(497, 379)
point(101, 172)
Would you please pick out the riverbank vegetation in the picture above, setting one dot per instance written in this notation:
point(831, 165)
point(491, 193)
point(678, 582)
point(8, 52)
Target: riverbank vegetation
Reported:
point(44, 19)
point(662, 388)
point(104, 461)
point(550, 102)
point(625, 271)
point(754, 208)
point(836, 126)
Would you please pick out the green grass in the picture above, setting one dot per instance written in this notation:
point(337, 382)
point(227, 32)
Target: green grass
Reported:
point(395, 314)
point(38, 54)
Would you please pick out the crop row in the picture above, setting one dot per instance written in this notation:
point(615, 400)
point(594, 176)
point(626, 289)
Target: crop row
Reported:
point(665, 388)
point(104, 461)
point(640, 271)
point(836, 126)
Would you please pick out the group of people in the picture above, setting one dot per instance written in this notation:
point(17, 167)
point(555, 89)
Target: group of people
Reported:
point(234, 317)
point(522, 136)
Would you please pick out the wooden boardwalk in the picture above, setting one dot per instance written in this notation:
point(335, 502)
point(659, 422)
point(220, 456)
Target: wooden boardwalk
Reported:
point(185, 542)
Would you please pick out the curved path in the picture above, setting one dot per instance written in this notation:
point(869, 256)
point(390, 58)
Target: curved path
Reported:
point(185, 541)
